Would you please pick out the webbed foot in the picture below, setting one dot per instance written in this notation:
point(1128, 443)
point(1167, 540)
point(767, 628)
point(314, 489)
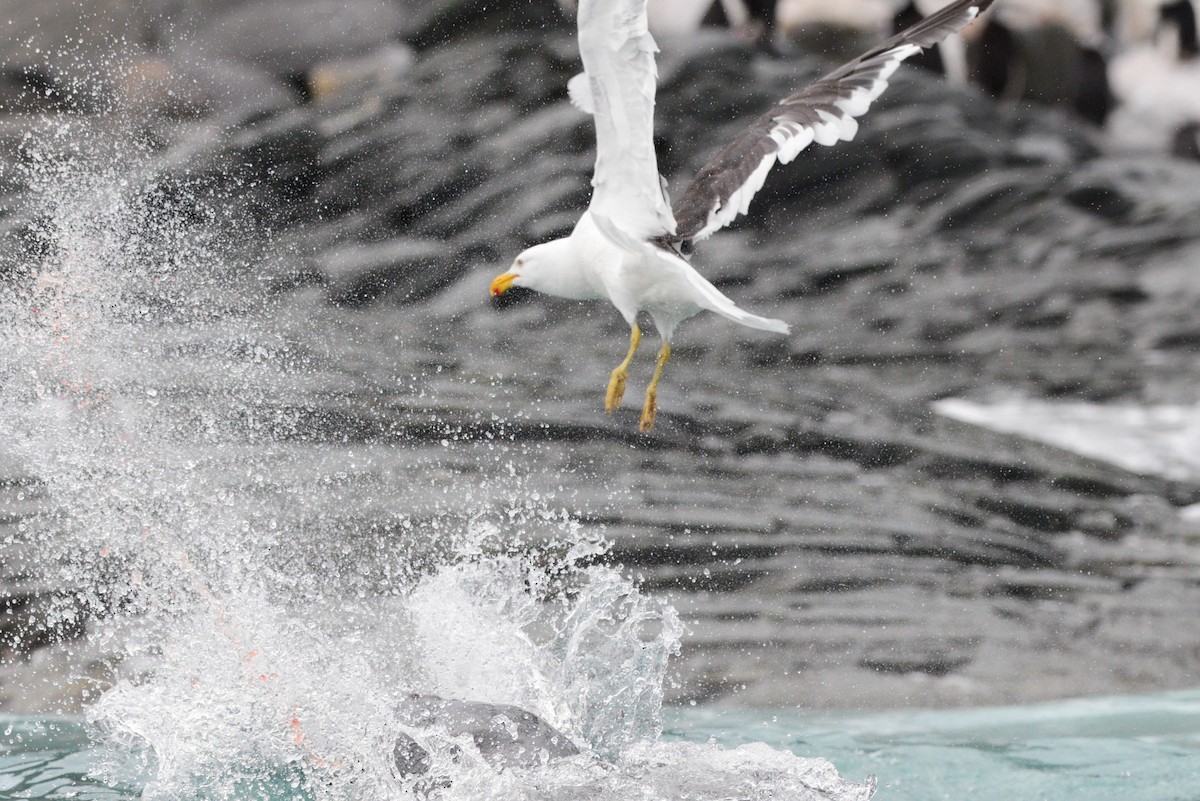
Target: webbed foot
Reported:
point(616, 382)
point(651, 406)
point(648, 411)
point(616, 389)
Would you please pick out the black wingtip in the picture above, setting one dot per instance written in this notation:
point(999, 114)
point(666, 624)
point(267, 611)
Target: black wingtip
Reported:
point(925, 33)
point(938, 25)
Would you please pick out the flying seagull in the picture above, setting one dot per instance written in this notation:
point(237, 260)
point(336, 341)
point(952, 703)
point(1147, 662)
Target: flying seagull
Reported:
point(628, 246)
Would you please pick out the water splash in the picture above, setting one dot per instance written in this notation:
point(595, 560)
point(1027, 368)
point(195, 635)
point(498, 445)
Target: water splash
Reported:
point(262, 636)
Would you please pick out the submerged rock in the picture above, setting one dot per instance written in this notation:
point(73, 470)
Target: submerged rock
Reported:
point(505, 736)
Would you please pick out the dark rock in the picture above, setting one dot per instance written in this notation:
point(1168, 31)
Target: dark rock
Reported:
point(1186, 142)
point(903, 657)
point(982, 200)
point(439, 23)
point(222, 88)
point(1103, 201)
point(278, 156)
point(61, 55)
point(506, 736)
point(861, 450)
point(410, 757)
point(407, 270)
point(380, 71)
point(289, 39)
point(1030, 515)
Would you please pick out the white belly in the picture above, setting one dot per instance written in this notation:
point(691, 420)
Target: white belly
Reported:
point(637, 276)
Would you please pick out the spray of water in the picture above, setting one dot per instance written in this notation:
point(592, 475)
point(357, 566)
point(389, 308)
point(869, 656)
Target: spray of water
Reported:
point(263, 635)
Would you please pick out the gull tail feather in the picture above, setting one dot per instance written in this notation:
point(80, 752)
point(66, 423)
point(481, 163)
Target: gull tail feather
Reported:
point(715, 301)
point(754, 321)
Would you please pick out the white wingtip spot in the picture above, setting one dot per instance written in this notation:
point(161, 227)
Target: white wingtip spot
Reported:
point(579, 90)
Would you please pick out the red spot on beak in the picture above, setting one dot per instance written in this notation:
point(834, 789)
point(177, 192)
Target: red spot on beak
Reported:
point(502, 283)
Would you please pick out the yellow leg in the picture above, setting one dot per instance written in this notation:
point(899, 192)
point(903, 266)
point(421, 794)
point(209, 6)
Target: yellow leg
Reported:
point(651, 406)
point(616, 383)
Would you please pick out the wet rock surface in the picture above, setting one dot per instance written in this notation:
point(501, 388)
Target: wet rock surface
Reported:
point(505, 736)
point(829, 538)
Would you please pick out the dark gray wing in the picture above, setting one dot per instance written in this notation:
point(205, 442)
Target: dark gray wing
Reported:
point(823, 112)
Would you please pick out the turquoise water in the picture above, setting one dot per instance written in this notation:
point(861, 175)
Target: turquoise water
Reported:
point(51, 759)
point(1125, 748)
point(1099, 749)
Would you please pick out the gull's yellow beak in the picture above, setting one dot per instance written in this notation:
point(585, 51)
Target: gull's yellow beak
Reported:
point(502, 283)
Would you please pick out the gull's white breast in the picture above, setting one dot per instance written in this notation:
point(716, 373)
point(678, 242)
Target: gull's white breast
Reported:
point(641, 279)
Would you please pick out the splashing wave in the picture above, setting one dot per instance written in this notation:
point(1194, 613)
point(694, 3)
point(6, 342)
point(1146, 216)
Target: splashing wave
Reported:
point(261, 638)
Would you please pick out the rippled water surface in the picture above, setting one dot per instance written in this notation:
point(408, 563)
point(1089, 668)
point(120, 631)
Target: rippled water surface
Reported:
point(1099, 749)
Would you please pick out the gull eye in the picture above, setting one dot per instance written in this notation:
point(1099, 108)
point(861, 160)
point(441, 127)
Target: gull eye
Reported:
point(520, 262)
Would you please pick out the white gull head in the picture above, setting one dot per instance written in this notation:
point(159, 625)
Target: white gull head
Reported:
point(551, 267)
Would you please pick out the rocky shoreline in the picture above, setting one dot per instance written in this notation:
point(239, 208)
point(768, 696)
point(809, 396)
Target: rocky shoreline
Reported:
point(830, 540)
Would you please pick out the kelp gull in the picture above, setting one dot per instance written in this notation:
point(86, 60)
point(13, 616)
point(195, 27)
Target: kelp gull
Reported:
point(628, 246)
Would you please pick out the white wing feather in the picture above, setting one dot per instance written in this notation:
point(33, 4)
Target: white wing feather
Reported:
point(618, 59)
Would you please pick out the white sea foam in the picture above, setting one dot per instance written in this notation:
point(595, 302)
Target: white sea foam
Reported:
point(1161, 440)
